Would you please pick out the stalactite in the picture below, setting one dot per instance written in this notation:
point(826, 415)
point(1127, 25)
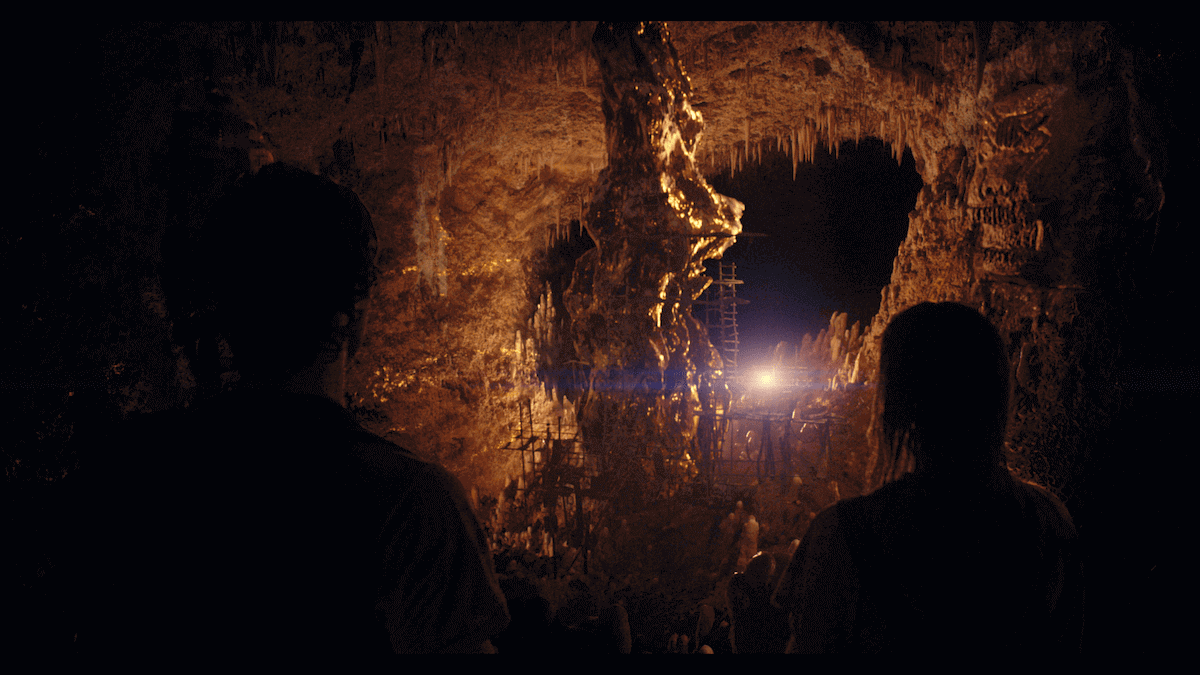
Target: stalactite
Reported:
point(793, 152)
point(833, 137)
point(895, 140)
point(804, 133)
point(829, 129)
point(747, 133)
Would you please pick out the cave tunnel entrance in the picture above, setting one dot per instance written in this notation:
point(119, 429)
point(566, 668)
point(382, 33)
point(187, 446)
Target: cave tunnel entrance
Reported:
point(832, 234)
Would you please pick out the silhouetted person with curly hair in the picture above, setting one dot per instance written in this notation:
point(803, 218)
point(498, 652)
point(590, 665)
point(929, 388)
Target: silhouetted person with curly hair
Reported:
point(263, 525)
point(951, 554)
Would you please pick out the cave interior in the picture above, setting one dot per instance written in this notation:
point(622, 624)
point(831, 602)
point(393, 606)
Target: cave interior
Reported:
point(554, 201)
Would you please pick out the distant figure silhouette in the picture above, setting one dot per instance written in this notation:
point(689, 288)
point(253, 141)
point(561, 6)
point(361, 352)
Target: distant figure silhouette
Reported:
point(951, 555)
point(264, 524)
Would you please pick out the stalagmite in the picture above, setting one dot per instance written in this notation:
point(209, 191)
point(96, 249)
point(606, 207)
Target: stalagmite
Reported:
point(704, 623)
point(641, 231)
point(729, 525)
point(748, 545)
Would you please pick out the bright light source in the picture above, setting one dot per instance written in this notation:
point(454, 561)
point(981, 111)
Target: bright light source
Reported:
point(766, 379)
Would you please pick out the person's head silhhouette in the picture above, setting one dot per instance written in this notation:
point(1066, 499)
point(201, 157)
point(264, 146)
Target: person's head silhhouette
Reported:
point(950, 554)
point(281, 271)
point(942, 396)
point(269, 505)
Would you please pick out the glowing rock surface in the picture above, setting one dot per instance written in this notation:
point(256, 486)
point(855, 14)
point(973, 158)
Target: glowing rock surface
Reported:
point(654, 220)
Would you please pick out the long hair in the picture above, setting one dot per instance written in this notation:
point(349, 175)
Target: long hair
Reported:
point(277, 257)
point(941, 402)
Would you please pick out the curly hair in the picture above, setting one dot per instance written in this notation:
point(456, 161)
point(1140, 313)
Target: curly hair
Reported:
point(941, 403)
point(278, 256)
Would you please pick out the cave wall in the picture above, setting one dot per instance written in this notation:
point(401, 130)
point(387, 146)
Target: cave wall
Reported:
point(478, 147)
point(1042, 162)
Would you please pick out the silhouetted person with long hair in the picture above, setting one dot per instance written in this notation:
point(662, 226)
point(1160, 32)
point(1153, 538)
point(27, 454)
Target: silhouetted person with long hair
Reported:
point(263, 523)
point(951, 554)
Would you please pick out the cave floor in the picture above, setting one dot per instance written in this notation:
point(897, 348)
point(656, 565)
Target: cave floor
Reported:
point(662, 562)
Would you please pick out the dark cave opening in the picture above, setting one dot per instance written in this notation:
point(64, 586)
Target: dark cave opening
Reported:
point(831, 236)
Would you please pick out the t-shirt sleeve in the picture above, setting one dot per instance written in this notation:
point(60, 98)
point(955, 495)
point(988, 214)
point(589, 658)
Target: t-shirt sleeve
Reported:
point(440, 593)
point(1062, 568)
point(820, 588)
